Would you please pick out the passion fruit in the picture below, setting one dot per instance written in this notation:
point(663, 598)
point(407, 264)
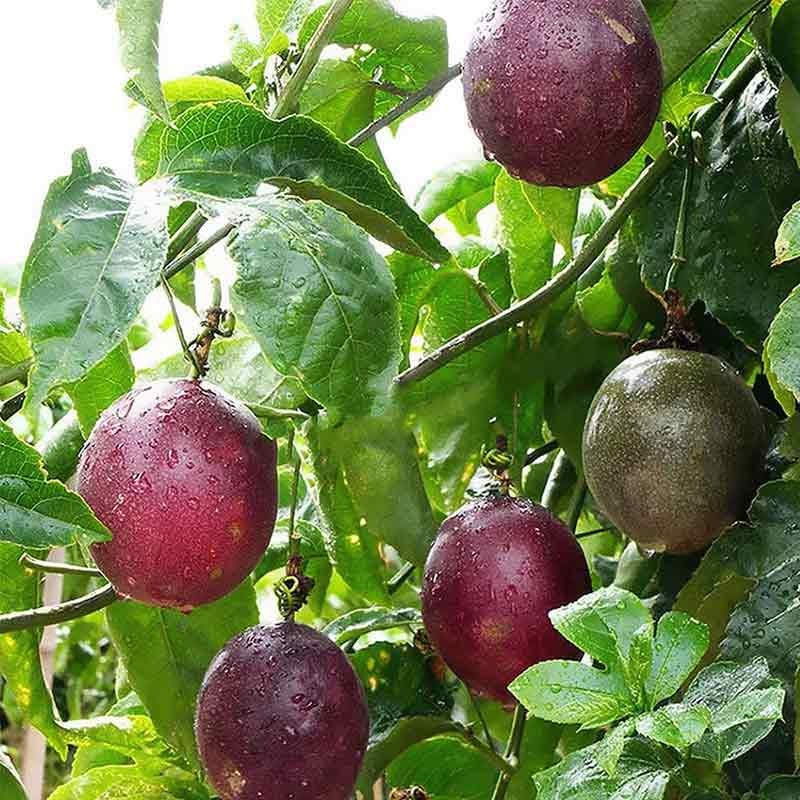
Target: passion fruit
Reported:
point(673, 448)
point(496, 570)
point(186, 482)
point(563, 92)
point(281, 713)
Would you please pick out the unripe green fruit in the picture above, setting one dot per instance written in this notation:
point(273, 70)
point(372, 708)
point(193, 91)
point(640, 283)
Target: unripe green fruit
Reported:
point(673, 448)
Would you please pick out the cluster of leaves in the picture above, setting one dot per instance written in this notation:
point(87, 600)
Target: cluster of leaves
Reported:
point(325, 325)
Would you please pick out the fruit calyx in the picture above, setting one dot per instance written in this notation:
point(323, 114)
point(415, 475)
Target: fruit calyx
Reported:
point(679, 332)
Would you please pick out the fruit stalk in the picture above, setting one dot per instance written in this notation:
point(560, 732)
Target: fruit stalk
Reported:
point(319, 41)
point(429, 90)
point(594, 247)
point(57, 568)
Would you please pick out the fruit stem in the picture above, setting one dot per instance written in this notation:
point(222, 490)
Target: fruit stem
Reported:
point(594, 247)
point(514, 744)
point(195, 371)
point(57, 568)
point(62, 612)
point(482, 719)
point(679, 243)
point(576, 504)
point(429, 90)
point(400, 577)
point(318, 42)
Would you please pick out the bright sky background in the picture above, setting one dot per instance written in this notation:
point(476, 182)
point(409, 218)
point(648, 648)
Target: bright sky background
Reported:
point(62, 89)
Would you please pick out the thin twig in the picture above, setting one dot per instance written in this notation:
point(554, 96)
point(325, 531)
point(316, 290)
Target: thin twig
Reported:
point(479, 714)
point(311, 55)
point(541, 452)
point(195, 251)
point(62, 612)
point(592, 249)
point(181, 238)
point(400, 577)
point(594, 531)
point(187, 351)
point(429, 90)
point(57, 568)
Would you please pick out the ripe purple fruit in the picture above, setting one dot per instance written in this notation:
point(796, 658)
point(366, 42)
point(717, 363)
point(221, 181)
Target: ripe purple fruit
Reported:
point(186, 482)
point(282, 714)
point(497, 568)
point(673, 448)
point(563, 92)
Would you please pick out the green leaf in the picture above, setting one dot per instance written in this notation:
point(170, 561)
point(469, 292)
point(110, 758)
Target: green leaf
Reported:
point(377, 457)
point(780, 787)
point(781, 361)
point(180, 94)
point(453, 185)
point(320, 301)
point(106, 381)
point(786, 39)
point(788, 106)
point(609, 750)
point(11, 787)
point(643, 773)
point(131, 735)
point(402, 692)
point(787, 245)
point(741, 712)
point(557, 209)
point(603, 624)
point(351, 546)
point(362, 621)
point(19, 651)
point(677, 105)
point(569, 692)
point(239, 366)
point(522, 232)
point(446, 768)
point(166, 655)
point(690, 26)
point(278, 18)
point(399, 50)
point(138, 22)
point(730, 245)
point(35, 511)
point(341, 96)
point(678, 725)
point(230, 148)
point(138, 782)
point(96, 256)
point(680, 644)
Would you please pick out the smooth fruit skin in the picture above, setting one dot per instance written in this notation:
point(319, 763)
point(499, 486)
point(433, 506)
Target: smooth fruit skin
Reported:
point(282, 714)
point(497, 568)
point(563, 92)
point(186, 482)
point(673, 447)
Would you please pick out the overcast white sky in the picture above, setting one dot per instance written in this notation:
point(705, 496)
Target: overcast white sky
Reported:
point(62, 82)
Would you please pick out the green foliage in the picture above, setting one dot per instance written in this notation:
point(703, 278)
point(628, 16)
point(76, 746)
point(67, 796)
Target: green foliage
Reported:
point(138, 22)
point(230, 148)
point(402, 51)
point(35, 511)
point(320, 302)
point(166, 655)
point(10, 782)
point(100, 243)
point(785, 38)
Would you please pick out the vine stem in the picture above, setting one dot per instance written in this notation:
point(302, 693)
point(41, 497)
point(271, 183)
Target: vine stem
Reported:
point(318, 42)
point(593, 248)
point(679, 243)
point(429, 90)
point(191, 255)
point(540, 452)
point(61, 612)
point(57, 568)
point(181, 238)
point(514, 744)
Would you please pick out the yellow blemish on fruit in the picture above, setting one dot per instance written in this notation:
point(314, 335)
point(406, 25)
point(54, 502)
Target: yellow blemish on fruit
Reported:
point(618, 28)
point(216, 574)
point(235, 531)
